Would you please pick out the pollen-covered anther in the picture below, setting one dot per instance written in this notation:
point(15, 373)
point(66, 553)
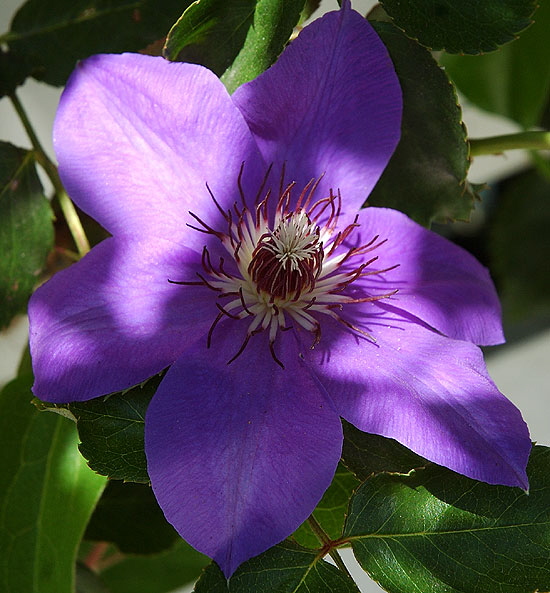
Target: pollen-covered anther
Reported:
point(291, 266)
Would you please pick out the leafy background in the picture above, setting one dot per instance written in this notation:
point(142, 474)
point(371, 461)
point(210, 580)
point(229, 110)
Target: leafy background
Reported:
point(520, 369)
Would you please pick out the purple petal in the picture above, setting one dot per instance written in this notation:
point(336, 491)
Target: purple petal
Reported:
point(330, 105)
point(430, 393)
point(239, 454)
point(138, 138)
point(113, 319)
point(438, 282)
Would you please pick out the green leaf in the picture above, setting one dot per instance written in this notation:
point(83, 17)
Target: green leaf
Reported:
point(129, 516)
point(426, 176)
point(331, 511)
point(47, 494)
point(26, 229)
point(14, 70)
point(159, 573)
point(111, 432)
point(211, 33)
point(367, 454)
point(269, 31)
point(514, 81)
point(54, 35)
point(519, 246)
point(212, 581)
point(289, 568)
point(468, 26)
point(437, 531)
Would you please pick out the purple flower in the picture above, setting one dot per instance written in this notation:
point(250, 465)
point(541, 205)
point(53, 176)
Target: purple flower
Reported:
point(240, 259)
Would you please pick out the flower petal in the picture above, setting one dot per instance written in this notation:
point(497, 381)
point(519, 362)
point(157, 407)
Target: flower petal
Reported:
point(138, 138)
point(430, 393)
point(239, 454)
point(112, 320)
point(438, 281)
point(330, 105)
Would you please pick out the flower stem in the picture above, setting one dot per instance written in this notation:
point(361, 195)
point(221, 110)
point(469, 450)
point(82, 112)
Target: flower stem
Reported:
point(67, 207)
point(325, 540)
point(497, 144)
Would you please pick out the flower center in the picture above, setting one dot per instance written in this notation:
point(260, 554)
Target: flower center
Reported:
point(287, 261)
point(291, 266)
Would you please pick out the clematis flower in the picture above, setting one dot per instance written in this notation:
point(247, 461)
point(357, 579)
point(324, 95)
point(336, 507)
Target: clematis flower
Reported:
point(241, 260)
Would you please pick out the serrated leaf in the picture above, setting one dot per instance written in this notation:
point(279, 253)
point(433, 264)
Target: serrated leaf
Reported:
point(514, 81)
point(26, 229)
point(519, 246)
point(468, 26)
point(270, 29)
point(438, 531)
point(53, 35)
point(129, 516)
point(47, 494)
point(367, 454)
point(211, 33)
point(331, 511)
point(159, 573)
point(426, 176)
point(289, 568)
point(111, 432)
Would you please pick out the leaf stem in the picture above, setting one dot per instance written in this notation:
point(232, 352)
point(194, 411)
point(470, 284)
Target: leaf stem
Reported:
point(65, 203)
point(327, 543)
point(535, 140)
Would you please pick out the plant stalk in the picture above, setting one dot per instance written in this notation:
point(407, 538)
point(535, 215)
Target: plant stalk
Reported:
point(497, 144)
point(325, 540)
point(65, 203)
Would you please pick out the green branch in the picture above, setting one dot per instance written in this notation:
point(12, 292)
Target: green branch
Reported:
point(327, 544)
point(499, 144)
point(67, 207)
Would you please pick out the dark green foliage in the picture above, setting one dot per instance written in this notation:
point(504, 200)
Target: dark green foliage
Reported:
point(111, 432)
point(467, 26)
point(52, 36)
point(438, 531)
point(129, 516)
point(288, 568)
point(26, 229)
point(514, 81)
point(426, 176)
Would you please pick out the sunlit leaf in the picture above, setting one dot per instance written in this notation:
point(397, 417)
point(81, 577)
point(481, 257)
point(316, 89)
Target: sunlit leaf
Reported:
point(289, 568)
point(47, 494)
point(437, 531)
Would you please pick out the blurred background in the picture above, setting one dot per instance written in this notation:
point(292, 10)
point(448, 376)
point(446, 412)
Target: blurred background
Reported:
point(509, 232)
